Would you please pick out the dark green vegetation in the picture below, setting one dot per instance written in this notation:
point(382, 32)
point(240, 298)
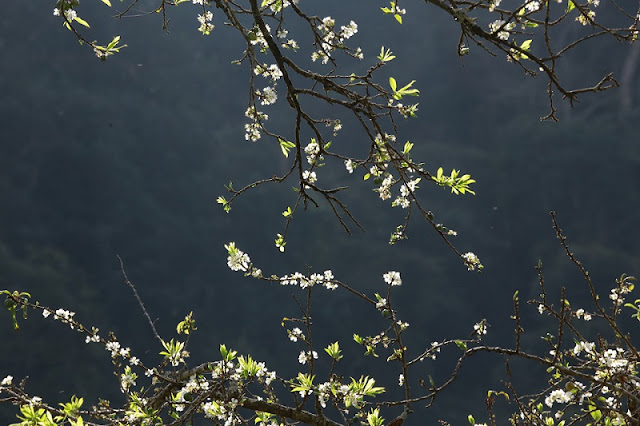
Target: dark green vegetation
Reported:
point(127, 157)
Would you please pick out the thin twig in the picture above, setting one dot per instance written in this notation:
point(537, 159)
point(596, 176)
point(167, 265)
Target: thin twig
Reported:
point(135, 294)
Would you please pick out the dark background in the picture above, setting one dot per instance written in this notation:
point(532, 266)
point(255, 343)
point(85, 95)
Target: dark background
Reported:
point(127, 157)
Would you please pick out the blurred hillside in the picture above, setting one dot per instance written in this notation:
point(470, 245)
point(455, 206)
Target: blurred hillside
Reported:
point(127, 158)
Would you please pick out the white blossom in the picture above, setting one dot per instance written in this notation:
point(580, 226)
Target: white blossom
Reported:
point(392, 278)
point(349, 30)
point(559, 396)
point(237, 259)
point(268, 96)
point(480, 328)
point(114, 348)
point(312, 150)
point(309, 176)
point(501, 28)
point(472, 261)
point(532, 6)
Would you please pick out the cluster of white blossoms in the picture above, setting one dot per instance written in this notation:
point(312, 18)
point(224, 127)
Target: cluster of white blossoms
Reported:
point(222, 411)
point(117, 350)
point(252, 129)
point(403, 325)
point(268, 96)
point(433, 351)
point(406, 189)
point(286, 43)
point(222, 369)
point(379, 170)
point(310, 177)
point(349, 164)
point(63, 315)
point(617, 294)
point(70, 14)
point(325, 279)
point(330, 40)
point(501, 28)
point(268, 71)
point(588, 18)
point(385, 186)
point(313, 152)
point(588, 347)
point(7, 381)
point(558, 395)
point(613, 362)
point(192, 387)
point(405, 110)
point(306, 356)
point(348, 395)
point(127, 379)
point(258, 38)
point(472, 261)
point(205, 22)
point(94, 337)
point(402, 202)
point(581, 314)
point(237, 259)
point(532, 6)
point(295, 334)
point(493, 4)
point(392, 278)
point(480, 329)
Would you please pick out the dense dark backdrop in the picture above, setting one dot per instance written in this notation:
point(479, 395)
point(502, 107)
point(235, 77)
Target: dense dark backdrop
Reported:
point(127, 157)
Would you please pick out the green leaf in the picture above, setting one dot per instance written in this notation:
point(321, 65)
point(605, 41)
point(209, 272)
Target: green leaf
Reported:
point(333, 350)
point(252, 36)
point(392, 83)
point(113, 43)
point(374, 419)
point(595, 414)
point(570, 6)
point(81, 21)
point(462, 345)
point(285, 146)
point(225, 204)
point(385, 55)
